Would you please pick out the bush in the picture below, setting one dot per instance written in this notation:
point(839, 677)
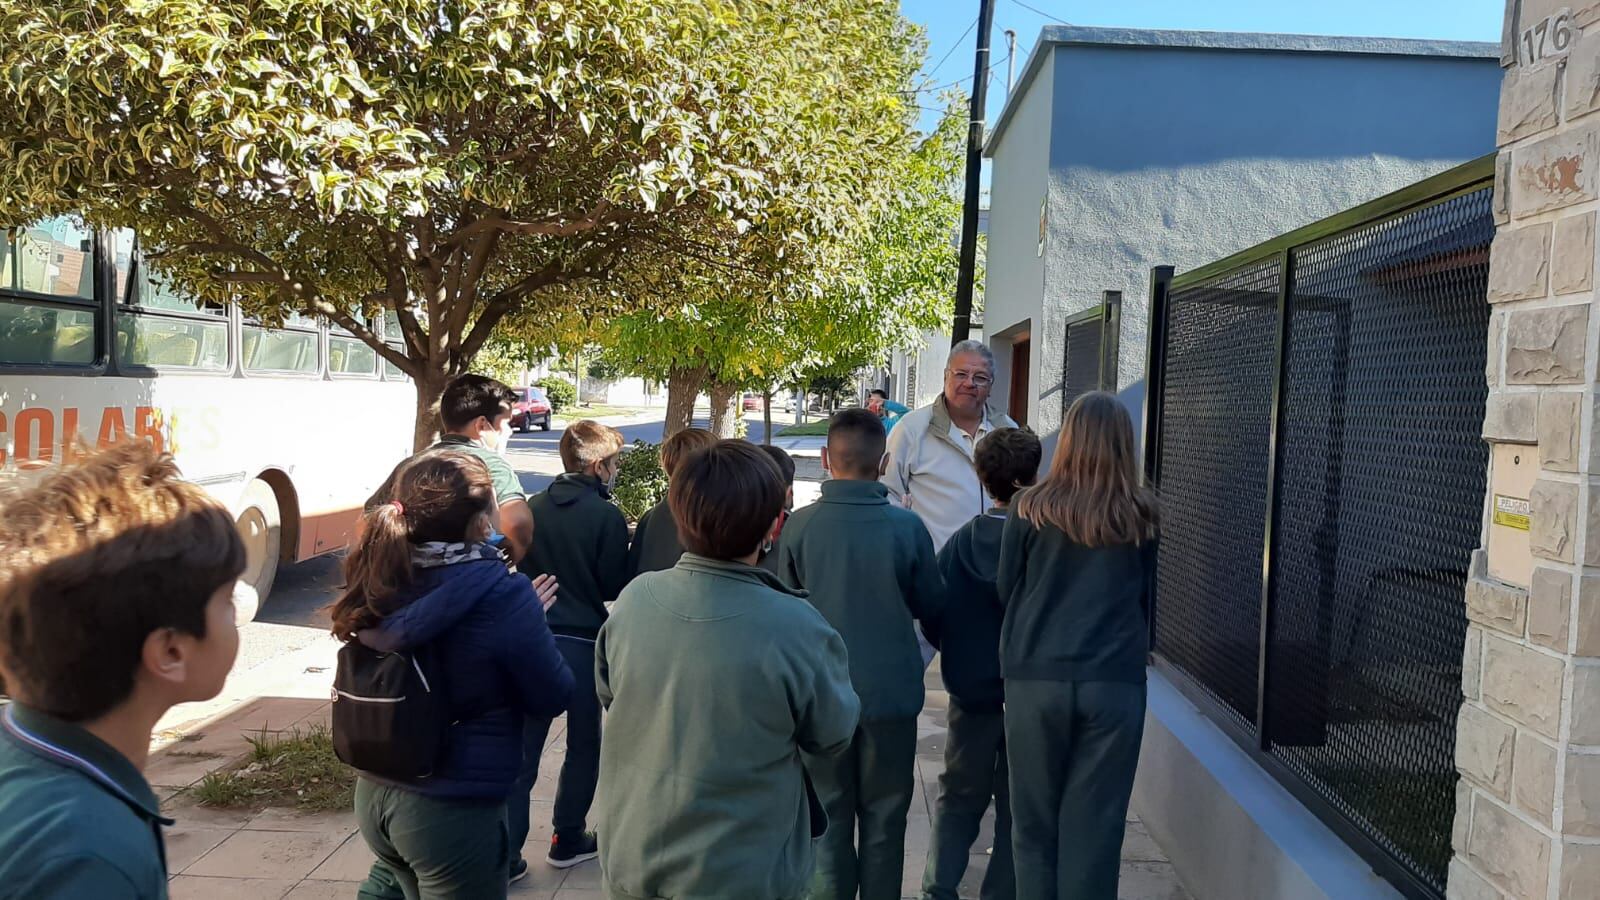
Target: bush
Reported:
point(562, 393)
point(641, 482)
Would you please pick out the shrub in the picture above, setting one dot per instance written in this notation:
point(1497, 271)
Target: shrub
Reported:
point(641, 482)
point(562, 393)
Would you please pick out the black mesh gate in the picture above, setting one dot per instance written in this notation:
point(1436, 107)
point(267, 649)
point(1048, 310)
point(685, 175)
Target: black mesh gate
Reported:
point(1313, 428)
point(1091, 345)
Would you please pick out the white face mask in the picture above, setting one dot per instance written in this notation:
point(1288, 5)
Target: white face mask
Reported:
point(498, 441)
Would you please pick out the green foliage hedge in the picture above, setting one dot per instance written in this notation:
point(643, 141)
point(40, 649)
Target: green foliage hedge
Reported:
point(641, 482)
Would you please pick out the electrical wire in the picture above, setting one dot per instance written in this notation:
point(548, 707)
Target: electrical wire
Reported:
point(1037, 11)
point(959, 81)
point(953, 48)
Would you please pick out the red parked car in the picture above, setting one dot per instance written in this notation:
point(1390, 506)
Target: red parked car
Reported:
point(532, 408)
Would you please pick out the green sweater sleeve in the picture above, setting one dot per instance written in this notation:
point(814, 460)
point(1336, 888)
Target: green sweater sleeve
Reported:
point(1013, 557)
point(81, 876)
point(829, 710)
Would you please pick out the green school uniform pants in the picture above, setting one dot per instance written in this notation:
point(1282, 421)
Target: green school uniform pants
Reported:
point(1073, 747)
point(974, 772)
point(431, 849)
point(866, 792)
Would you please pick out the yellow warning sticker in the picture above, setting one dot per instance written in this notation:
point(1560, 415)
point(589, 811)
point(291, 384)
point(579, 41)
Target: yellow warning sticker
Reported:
point(1512, 512)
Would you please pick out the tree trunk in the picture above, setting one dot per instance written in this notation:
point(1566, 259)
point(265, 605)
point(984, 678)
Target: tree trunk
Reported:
point(683, 386)
point(724, 409)
point(425, 429)
point(766, 416)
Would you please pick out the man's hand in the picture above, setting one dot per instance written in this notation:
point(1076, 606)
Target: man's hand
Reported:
point(545, 586)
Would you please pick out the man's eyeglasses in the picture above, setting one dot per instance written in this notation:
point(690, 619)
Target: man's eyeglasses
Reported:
point(976, 379)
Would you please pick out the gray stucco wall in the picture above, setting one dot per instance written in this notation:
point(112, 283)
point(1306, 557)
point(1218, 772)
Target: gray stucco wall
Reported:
point(1161, 156)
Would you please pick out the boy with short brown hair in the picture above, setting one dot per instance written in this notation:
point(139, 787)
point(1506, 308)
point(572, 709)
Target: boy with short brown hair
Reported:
point(581, 539)
point(116, 603)
point(656, 542)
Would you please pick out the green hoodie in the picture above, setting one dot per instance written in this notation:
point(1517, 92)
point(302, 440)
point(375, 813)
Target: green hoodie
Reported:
point(715, 678)
point(869, 568)
point(581, 538)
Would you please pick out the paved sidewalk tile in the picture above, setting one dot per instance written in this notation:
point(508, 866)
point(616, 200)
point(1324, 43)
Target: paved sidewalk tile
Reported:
point(267, 854)
point(324, 890)
point(351, 862)
point(191, 887)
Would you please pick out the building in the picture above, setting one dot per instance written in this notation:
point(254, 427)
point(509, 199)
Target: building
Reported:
point(1121, 150)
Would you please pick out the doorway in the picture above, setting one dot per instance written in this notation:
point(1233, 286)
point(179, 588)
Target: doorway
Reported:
point(1020, 366)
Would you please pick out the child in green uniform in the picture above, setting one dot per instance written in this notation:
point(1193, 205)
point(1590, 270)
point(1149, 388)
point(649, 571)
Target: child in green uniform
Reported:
point(769, 547)
point(1076, 558)
point(656, 545)
point(870, 570)
point(1007, 460)
point(581, 539)
point(716, 678)
point(116, 602)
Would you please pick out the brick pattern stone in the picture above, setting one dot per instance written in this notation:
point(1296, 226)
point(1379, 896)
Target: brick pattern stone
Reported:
point(1550, 607)
point(1560, 427)
point(1514, 855)
point(1519, 263)
point(1497, 333)
point(1523, 685)
point(1466, 884)
point(1556, 172)
point(1528, 102)
point(1484, 745)
point(1472, 665)
point(1580, 870)
point(1586, 623)
point(1500, 202)
point(1585, 705)
point(1572, 254)
point(1497, 606)
point(1546, 346)
point(1583, 77)
point(1581, 791)
point(1511, 417)
point(1553, 520)
point(1534, 778)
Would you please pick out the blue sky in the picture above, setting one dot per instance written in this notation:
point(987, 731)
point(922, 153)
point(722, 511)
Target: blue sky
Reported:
point(947, 25)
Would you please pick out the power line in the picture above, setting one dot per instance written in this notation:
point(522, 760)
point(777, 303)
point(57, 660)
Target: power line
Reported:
point(1037, 11)
point(958, 81)
point(953, 48)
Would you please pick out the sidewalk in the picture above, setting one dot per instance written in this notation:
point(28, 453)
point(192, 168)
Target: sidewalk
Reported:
point(282, 855)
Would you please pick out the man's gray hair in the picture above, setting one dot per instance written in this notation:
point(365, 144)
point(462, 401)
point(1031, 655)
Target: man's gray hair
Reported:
point(970, 346)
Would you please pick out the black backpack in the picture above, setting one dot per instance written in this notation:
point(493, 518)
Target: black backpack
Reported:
point(389, 718)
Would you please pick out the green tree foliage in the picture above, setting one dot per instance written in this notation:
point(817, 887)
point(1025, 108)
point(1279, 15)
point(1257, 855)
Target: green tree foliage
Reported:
point(852, 301)
point(453, 161)
point(563, 394)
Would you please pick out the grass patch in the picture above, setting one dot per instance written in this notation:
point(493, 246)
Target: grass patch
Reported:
point(295, 768)
point(819, 428)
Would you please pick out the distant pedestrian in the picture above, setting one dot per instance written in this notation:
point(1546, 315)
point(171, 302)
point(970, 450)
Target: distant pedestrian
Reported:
point(889, 411)
point(716, 678)
point(769, 548)
point(1076, 559)
point(869, 568)
point(581, 539)
point(975, 768)
point(116, 602)
point(656, 545)
point(423, 579)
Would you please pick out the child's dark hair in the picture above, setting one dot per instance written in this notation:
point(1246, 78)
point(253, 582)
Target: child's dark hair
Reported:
point(467, 397)
point(856, 442)
point(725, 499)
point(93, 559)
point(441, 495)
point(784, 461)
point(1007, 460)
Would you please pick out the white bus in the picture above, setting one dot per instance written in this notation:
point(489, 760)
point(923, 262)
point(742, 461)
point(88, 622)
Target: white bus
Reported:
point(291, 428)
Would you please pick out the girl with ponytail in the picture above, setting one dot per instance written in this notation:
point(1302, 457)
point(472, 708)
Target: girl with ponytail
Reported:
point(423, 577)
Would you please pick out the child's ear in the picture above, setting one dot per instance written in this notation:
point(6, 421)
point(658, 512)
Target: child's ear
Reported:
point(825, 467)
point(883, 464)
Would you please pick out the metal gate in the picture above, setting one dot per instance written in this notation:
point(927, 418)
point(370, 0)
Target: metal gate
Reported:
point(1090, 348)
point(1312, 426)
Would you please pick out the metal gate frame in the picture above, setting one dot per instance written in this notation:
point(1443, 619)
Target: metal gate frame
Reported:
point(1464, 179)
point(1109, 313)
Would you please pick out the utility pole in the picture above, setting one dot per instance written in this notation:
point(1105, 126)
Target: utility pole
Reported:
point(1011, 61)
point(961, 328)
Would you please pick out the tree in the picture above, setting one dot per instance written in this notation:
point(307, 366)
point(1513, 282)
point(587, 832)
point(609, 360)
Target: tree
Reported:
point(452, 162)
point(844, 307)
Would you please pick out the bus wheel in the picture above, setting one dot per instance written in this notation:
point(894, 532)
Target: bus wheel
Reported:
point(262, 528)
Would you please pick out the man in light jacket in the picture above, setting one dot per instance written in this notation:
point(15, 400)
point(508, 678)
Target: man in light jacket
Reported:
point(929, 467)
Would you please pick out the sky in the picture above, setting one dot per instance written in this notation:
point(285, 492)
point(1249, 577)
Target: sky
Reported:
point(948, 25)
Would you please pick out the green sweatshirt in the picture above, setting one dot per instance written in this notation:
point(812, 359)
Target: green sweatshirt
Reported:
point(581, 538)
point(869, 569)
point(1073, 613)
point(655, 546)
point(715, 678)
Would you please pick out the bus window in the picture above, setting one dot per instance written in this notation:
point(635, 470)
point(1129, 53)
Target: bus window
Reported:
point(351, 356)
point(33, 334)
point(54, 257)
point(390, 370)
point(289, 350)
point(166, 329)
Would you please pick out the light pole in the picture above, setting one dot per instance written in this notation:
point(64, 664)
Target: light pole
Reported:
point(961, 328)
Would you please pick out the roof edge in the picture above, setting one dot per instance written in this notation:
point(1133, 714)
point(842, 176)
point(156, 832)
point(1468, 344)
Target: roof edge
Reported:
point(1053, 36)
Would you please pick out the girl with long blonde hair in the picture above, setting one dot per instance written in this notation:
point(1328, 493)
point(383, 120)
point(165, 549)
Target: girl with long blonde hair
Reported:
point(1076, 558)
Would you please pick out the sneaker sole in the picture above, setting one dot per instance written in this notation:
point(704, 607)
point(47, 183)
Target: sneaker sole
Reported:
point(517, 877)
point(580, 859)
